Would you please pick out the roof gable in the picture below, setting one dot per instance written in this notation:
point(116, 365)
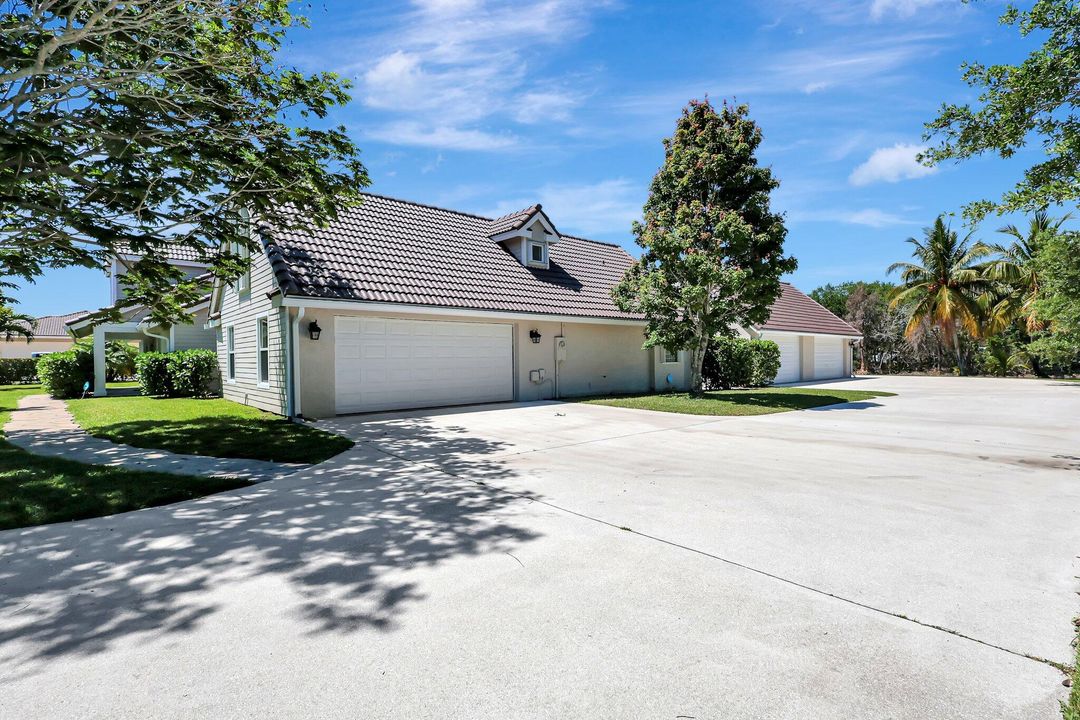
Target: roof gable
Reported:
point(794, 311)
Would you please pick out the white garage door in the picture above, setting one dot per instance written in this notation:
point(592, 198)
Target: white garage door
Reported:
point(829, 357)
point(789, 357)
point(388, 364)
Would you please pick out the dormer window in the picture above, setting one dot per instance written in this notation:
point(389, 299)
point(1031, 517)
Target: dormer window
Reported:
point(537, 254)
point(527, 235)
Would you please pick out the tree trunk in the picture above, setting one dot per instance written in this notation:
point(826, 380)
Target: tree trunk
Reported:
point(697, 359)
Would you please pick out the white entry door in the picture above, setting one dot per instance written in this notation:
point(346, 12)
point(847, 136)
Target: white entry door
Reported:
point(389, 364)
point(829, 357)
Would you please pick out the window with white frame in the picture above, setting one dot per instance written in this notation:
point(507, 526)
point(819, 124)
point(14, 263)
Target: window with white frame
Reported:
point(537, 253)
point(263, 336)
point(670, 356)
point(230, 352)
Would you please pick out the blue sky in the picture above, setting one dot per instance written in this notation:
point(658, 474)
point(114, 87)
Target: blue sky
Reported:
point(487, 107)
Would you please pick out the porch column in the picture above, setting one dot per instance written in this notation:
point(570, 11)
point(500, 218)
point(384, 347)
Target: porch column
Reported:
point(99, 361)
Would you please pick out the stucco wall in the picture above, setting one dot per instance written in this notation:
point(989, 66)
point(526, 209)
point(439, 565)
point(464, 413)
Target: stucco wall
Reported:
point(600, 358)
point(19, 348)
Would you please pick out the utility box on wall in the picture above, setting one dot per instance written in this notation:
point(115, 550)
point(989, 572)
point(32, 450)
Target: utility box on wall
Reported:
point(536, 376)
point(560, 348)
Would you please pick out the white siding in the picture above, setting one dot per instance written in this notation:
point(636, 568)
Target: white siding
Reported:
point(190, 337)
point(242, 310)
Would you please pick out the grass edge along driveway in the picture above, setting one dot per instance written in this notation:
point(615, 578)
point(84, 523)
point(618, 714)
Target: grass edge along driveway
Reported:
point(36, 490)
point(204, 426)
point(760, 401)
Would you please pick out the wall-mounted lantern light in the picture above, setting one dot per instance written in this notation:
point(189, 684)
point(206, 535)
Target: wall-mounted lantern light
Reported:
point(534, 335)
point(314, 330)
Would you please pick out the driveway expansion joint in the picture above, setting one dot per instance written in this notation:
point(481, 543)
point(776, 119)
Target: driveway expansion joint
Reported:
point(1062, 667)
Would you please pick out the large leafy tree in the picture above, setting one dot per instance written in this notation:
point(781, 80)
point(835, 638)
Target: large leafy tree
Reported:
point(1036, 101)
point(143, 125)
point(1015, 272)
point(713, 250)
point(943, 285)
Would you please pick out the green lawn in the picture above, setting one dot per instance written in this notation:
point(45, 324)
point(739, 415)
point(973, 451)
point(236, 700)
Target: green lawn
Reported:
point(739, 402)
point(204, 426)
point(35, 490)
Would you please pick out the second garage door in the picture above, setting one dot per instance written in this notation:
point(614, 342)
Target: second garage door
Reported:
point(390, 364)
point(829, 357)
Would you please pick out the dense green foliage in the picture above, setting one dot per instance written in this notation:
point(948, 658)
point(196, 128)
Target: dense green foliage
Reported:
point(35, 489)
point(205, 426)
point(712, 247)
point(739, 402)
point(152, 125)
point(737, 362)
point(1034, 101)
point(184, 373)
point(63, 374)
point(18, 371)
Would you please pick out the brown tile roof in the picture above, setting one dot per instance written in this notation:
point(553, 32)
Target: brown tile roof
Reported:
point(388, 250)
point(794, 311)
point(55, 325)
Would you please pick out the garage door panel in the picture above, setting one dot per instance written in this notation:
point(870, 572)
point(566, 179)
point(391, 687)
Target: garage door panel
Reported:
point(828, 358)
point(789, 357)
point(384, 364)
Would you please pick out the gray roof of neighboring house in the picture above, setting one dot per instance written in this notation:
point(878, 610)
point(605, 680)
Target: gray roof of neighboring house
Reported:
point(55, 325)
point(794, 311)
point(387, 250)
point(180, 253)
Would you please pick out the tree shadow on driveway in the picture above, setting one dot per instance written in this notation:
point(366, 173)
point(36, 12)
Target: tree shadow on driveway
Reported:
point(342, 536)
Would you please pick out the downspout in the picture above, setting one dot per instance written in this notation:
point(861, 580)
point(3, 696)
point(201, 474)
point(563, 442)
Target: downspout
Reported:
point(146, 331)
point(288, 361)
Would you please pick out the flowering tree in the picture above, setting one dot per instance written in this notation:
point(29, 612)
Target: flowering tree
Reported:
point(713, 251)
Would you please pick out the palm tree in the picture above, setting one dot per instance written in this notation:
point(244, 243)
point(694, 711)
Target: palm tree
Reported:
point(13, 324)
point(943, 286)
point(1015, 273)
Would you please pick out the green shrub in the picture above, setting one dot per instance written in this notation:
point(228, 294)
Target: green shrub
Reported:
point(18, 371)
point(738, 362)
point(766, 362)
point(120, 360)
point(152, 372)
point(62, 374)
point(193, 373)
point(184, 373)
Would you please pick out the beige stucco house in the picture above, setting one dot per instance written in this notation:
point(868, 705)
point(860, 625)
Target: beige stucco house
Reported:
point(401, 305)
point(50, 335)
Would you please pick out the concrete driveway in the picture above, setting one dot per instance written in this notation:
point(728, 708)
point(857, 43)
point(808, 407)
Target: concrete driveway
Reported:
point(906, 557)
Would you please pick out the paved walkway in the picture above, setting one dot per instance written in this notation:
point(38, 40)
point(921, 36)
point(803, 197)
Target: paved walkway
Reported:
point(44, 426)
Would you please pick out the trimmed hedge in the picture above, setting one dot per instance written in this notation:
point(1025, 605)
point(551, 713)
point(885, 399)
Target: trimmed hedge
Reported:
point(62, 374)
point(184, 373)
point(738, 362)
point(18, 371)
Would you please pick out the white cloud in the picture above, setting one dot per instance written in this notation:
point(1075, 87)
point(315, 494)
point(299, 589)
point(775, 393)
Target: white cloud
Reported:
point(606, 207)
point(869, 217)
point(442, 136)
point(447, 67)
point(891, 164)
point(900, 8)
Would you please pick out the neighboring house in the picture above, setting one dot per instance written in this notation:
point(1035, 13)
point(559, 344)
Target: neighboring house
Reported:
point(400, 305)
point(135, 325)
point(50, 335)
